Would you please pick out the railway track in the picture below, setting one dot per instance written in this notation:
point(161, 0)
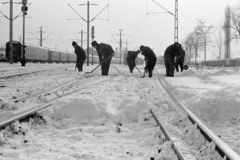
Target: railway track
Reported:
point(50, 101)
point(224, 150)
point(25, 73)
point(219, 147)
point(160, 111)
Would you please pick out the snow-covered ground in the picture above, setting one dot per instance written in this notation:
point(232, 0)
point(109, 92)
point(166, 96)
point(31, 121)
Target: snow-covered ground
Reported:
point(214, 96)
point(110, 120)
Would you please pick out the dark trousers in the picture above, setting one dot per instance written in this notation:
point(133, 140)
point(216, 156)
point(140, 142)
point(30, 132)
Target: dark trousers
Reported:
point(151, 66)
point(79, 65)
point(130, 65)
point(169, 64)
point(105, 66)
point(180, 64)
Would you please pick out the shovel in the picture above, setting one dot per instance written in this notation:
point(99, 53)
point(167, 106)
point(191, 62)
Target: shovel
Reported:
point(138, 69)
point(99, 64)
point(143, 74)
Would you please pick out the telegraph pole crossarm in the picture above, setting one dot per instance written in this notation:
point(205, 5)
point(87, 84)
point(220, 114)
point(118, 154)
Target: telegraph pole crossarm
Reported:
point(47, 36)
point(88, 21)
point(4, 15)
point(77, 12)
point(175, 18)
point(74, 18)
point(164, 8)
point(99, 13)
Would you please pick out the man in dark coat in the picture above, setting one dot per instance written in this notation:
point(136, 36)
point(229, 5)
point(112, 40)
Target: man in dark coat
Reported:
point(180, 60)
point(131, 56)
point(169, 56)
point(150, 59)
point(105, 54)
point(81, 56)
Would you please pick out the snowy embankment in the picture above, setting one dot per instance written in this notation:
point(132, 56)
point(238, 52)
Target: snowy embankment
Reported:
point(108, 120)
point(111, 119)
point(214, 96)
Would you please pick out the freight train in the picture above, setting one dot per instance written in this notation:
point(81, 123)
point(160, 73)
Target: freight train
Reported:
point(43, 55)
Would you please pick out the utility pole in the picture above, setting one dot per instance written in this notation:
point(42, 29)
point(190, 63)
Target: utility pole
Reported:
point(120, 45)
point(11, 33)
point(41, 39)
point(41, 36)
point(24, 10)
point(92, 36)
point(81, 38)
point(88, 21)
point(88, 33)
point(176, 22)
point(175, 18)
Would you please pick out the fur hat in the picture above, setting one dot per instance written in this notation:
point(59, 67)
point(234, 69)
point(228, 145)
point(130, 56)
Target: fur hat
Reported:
point(94, 43)
point(74, 43)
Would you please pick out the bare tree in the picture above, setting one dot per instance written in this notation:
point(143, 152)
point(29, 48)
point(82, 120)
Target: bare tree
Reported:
point(193, 45)
point(203, 32)
point(219, 44)
point(235, 22)
point(197, 44)
point(188, 47)
point(227, 31)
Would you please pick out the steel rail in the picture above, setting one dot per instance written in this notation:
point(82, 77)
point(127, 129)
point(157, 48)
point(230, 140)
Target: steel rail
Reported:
point(4, 122)
point(46, 91)
point(179, 154)
point(18, 116)
point(166, 134)
point(225, 148)
point(20, 74)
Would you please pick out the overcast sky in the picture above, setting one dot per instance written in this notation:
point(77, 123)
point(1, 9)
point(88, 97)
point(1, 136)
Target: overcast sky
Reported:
point(138, 27)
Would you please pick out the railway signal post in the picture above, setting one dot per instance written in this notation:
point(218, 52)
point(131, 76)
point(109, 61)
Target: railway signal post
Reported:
point(24, 10)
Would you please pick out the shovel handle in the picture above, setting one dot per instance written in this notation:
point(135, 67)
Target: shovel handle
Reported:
point(101, 63)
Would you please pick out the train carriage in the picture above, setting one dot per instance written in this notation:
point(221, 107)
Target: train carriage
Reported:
point(17, 51)
point(64, 57)
point(36, 54)
point(55, 56)
point(43, 54)
point(72, 57)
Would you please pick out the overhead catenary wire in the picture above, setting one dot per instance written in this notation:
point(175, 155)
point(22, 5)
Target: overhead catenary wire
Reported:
point(65, 14)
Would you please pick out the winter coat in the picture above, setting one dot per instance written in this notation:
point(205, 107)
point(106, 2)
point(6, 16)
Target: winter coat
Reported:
point(172, 51)
point(104, 51)
point(180, 58)
point(150, 57)
point(131, 56)
point(81, 55)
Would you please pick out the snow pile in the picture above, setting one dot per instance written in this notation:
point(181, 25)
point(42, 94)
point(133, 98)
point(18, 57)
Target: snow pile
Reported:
point(83, 111)
point(86, 112)
point(133, 111)
point(189, 72)
point(221, 72)
point(218, 106)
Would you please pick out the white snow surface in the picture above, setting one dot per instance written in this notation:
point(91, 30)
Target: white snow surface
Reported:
point(107, 121)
